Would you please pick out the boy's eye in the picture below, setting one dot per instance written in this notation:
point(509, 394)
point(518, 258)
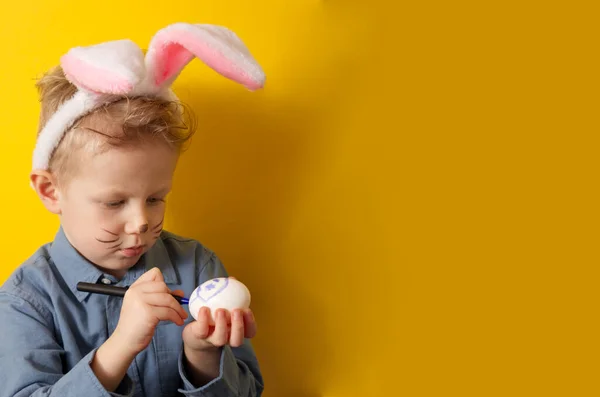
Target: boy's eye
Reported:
point(155, 200)
point(115, 204)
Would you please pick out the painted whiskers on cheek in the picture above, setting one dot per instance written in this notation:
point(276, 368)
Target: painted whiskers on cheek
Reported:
point(157, 230)
point(110, 241)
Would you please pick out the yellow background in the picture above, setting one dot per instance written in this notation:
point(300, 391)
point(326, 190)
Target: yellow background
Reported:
point(412, 199)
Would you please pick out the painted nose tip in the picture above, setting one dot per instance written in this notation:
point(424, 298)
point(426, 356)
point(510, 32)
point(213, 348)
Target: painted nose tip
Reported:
point(144, 228)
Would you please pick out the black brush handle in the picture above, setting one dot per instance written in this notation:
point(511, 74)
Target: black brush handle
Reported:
point(102, 289)
point(114, 290)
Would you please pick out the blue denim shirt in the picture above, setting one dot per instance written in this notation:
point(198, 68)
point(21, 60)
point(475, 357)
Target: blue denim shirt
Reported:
point(50, 331)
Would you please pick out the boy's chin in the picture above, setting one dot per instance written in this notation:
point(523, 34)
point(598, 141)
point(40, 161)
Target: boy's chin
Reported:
point(121, 263)
point(125, 262)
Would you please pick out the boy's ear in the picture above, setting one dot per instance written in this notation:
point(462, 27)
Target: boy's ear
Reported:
point(46, 187)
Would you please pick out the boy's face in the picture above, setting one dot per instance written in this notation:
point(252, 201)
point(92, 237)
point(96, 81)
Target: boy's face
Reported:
point(112, 209)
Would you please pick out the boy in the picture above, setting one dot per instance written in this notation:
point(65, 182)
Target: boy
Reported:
point(111, 132)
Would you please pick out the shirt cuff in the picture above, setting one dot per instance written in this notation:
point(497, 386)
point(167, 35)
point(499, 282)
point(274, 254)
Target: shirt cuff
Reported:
point(225, 384)
point(89, 385)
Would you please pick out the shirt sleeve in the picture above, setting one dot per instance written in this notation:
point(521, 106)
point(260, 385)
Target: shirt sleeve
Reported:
point(237, 376)
point(31, 358)
point(239, 371)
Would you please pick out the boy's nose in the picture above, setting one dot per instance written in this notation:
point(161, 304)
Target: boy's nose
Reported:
point(144, 228)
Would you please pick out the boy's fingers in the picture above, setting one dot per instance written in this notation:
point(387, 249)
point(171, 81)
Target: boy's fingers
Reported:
point(221, 335)
point(249, 324)
point(237, 328)
point(153, 287)
point(200, 326)
point(167, 314)
point(167, 301)
point(153, 274)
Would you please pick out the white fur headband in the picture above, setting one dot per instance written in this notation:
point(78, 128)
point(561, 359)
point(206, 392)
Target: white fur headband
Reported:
point(120, 68)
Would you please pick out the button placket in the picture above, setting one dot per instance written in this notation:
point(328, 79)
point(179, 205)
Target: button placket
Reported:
point(113, 311)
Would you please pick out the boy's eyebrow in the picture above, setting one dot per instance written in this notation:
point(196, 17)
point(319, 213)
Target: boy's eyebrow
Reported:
point(119, 193)
point(110, 193)
point(164, 190)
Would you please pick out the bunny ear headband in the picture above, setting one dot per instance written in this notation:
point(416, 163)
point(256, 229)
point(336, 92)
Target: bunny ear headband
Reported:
point(120, 68)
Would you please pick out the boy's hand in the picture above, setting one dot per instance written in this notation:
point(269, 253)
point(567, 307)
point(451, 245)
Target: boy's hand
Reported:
point(202, 340)
point(229, 329)
point(147, 302)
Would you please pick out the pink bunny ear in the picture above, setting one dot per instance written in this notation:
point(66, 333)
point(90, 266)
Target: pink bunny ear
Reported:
point(110, 68)
point(173, 47)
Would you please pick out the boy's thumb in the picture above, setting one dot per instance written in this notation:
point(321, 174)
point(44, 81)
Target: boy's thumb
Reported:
point(153, 274)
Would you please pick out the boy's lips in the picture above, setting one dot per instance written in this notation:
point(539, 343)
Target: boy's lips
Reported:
point(133, 251)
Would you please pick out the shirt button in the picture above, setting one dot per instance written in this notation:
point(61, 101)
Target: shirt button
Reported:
point(106, 281)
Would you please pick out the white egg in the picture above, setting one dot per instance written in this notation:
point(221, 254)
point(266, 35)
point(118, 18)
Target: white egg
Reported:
point(219, 293)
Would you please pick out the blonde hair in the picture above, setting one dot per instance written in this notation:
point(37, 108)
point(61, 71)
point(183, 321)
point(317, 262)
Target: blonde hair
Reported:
point(123, 122)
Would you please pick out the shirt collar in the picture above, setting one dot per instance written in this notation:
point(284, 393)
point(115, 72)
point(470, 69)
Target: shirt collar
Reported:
point(158, 256)
point(74, 268)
